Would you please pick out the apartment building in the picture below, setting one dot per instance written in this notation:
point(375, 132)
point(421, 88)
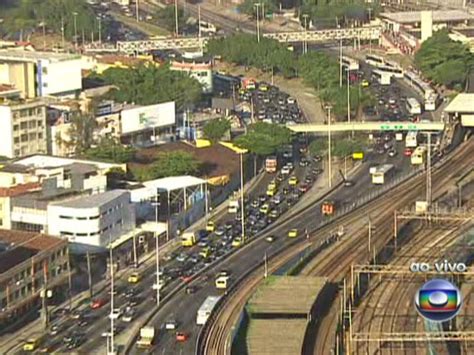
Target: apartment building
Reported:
point(41, 73)
point(29, 264)
point(196, 66)
point(23, 127)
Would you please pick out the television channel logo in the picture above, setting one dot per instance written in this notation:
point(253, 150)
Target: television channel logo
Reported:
point(438, 300)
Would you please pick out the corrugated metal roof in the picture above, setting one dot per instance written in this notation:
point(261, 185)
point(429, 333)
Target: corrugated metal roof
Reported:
point(438, 16)
point(462, 103)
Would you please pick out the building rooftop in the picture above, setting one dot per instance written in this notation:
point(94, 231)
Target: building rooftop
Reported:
point(438, 16)
point(33, 56)
point(276, 336)
point(463, 103)
point(90, 201)
point(18, 246)
point(19, 189)
point(286, 295)
point(50, 161)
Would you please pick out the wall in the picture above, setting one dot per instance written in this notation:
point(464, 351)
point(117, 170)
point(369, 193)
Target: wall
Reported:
point(59, 77)
point(6, 132)
point(5, 222)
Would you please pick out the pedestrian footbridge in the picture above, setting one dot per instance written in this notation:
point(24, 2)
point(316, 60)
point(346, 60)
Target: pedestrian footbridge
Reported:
point(368, 126)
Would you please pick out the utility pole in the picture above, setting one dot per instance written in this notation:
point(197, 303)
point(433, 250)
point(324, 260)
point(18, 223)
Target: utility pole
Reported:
point(370, 234)
point(257, 5)
point(340, 63)
point(112, 291)
point(157, 250)
point(89, 275)
point(176, 17)
point(265, 265)
point(305, 42)
point(348, 97)
point(62, 32)
point(242, 196)
point(136, 10)
point(329, 107)
point(44, 34)
point(100, 30)
point(428, 173)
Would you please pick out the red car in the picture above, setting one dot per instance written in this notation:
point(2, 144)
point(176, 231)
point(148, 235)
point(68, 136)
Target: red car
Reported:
point(181, 336)
point(98, 303)
point(186, 278)
point(303, 188)
point(407, 152)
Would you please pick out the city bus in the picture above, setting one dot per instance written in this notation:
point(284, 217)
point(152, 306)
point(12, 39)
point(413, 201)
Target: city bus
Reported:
point(418, 156)
point(394, 71)
point(349, 63)
point(374, 60)
point(222, 282)
point(381, 173)
point(429, 94)
point(206, 308)
point(413, 106)
point(382, 77)
point(411, 139)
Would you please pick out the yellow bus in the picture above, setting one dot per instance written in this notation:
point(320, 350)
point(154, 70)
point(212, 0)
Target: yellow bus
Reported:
point(418, 156)
point(222, 281)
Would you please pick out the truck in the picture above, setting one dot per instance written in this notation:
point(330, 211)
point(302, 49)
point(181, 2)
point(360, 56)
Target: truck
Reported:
point(188, 239)
point(147, 335)
point(249, 84)
point(234, 206)
point(271, 164)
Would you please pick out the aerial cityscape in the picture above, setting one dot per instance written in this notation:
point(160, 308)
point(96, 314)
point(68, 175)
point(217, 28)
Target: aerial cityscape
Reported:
point(245, 177)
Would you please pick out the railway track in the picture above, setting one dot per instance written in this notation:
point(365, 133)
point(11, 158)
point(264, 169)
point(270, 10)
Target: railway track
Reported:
point(214, 336)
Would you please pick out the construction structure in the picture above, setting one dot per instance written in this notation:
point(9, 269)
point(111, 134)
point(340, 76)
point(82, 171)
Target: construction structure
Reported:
point(280, 311)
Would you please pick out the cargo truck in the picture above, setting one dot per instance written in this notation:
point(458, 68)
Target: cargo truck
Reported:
point(271, 164)
point(147, 335)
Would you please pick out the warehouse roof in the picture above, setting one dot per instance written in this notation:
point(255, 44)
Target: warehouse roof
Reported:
point(462, 103)
point(286, 295)
point(438, 16)
point(276, 336)
point(18, 246)
point(174, 182)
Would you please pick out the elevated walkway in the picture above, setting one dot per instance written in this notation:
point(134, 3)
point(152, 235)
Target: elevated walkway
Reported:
point(368, 126)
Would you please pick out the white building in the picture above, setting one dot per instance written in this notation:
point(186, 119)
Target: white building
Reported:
point(198, 67)
point(23, 128)
point(41, 73)
point(95, 220)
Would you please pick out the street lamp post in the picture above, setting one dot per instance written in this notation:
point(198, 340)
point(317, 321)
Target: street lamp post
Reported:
point(329, 107)
point(157, 250)
point(75, 28)
point(176, 17)
point(242, 197)
point(136, 10)
point(100, 29)
point(111, 350)
point(305, 42)
point(257, 5)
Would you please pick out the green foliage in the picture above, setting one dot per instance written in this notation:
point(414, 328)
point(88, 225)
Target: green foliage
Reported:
point(340, 147)
point(264, 138)
point(318, 146)
point(445, 61)
point(147, 85)
point(81, 132)
point(248, 7)
point(244, 50)
point(319, 70)
point(214, 130)
point(110, 151)
point(24, 14)
point(166, 17)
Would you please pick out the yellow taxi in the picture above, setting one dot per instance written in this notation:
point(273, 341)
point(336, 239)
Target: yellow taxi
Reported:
point(293, 181)
point(31, 344)
point(133, 278)
point(365, 83)
point(210, 226)
point(237, 242)
point(271, 192)
point(272, 185)
point(265, 208)
point(293, 233)
point(205, 252)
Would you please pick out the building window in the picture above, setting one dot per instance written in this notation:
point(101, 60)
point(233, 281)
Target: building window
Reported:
point(94, 217)
point(62, 233)
point(32, 136)
point(24, 125)
point(16, 140)
point(44, 70)
point(17, 152)
point(45, 85)
point(81, 235)
point(40, 123)
point(32, 124)
point(1, 222)
point(65, 217)
point(23, 113)
point(40, 135)
point(24, 138)
point(119, 221)
point(15, 127)
point(81, 218)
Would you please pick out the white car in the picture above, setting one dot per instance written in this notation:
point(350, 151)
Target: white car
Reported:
point(270, 239)
point(116, 313)
point(128, 316)
point(290, 165)
point(171, 325)
point(277, 199)
point(291, 100)
point(285, 170)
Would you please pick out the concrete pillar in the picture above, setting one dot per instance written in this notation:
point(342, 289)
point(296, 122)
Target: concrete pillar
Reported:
point(426, 25)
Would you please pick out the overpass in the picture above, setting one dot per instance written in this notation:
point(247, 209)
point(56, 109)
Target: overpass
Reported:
point(368, 126)
point(363, 33)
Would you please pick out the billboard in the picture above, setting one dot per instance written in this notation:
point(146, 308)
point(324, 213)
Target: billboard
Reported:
point(152, 116)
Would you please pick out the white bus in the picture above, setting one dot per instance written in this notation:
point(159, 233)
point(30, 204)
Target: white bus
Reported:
point(380, 173)
point(395, 71)
point(429, 94)
point(413, 106)
point(381, 77)
point(206, 308)
point(374, 60)
point(207, 27)
point(411, 139)
point(418, 156)
point(350, 64)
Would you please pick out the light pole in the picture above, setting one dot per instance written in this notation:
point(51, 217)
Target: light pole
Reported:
point(176, 17)
point(305, 42)
point(157, 250)
point(100, 29)
point(136, 10)
point(340, 63)
point(111, 350)
point(62, 32)
point(75, 28)
point(257, 5)
point(329, 107)
point(242, 214)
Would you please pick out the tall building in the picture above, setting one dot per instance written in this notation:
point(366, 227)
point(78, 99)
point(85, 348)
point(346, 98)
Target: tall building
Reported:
point(41, 73)
point(23, 127)
point(197, 66)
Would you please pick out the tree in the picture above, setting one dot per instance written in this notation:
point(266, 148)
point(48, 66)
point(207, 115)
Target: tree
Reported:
point(248, 7)
point(109, 150)
point(147, 85)
point(445, 61)
point(214, 130)
point(174, 164)
point(166, 17)
point(264, 138)
point(81, 132)
point(340, 147)
point(318, 146)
